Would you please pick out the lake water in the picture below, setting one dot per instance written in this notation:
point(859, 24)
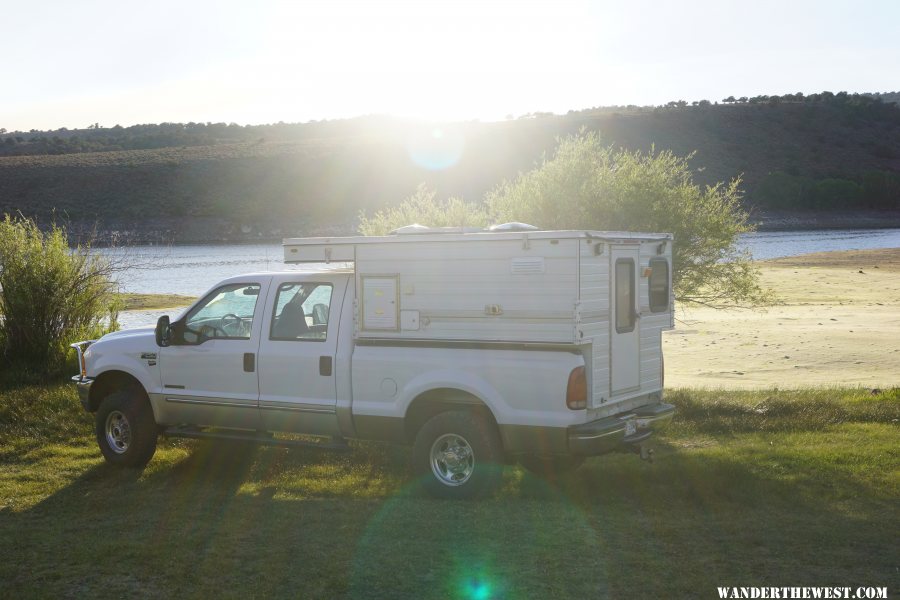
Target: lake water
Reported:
point(191, 270)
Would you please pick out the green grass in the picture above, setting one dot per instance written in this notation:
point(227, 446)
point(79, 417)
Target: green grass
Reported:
point(748, 488)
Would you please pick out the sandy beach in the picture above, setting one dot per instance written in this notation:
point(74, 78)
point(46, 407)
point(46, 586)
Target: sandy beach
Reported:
point(837, 324)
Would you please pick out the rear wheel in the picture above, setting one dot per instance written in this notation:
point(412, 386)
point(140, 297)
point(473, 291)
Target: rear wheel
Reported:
point(457, 454)
point(125, 428)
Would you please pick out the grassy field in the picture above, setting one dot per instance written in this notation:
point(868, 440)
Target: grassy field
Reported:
point(748, 488)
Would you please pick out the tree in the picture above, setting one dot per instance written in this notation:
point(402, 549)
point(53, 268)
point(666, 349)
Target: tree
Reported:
point(423, 208)
point(586, 185)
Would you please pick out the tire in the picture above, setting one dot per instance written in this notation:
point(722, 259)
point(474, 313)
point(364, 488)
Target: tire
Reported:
point(458, 455)
point(551, 468)
point(125, 428)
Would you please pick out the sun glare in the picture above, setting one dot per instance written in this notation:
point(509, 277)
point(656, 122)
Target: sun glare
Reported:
point(427, 60)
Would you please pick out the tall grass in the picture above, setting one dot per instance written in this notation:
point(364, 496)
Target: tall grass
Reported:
point(50, 295)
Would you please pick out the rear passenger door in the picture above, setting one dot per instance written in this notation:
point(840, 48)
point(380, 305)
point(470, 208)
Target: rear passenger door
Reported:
point(297, 387)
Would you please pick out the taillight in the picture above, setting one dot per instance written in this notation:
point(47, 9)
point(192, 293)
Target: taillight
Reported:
point(576, 391)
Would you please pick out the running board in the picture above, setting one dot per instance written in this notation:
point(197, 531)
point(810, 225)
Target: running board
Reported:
point(261, 438)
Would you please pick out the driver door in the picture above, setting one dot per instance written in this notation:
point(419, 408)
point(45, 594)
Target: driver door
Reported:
point(209, 372)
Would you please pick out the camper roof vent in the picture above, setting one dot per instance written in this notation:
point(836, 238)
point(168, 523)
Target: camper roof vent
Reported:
point(513, 226)
point(416, 228)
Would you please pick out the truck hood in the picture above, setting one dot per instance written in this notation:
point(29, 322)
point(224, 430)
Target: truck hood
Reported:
point(138, 332)
point(129, 346)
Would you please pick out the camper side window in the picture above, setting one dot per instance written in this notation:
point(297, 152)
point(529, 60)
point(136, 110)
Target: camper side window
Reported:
point(659, 285)
point(625, 314)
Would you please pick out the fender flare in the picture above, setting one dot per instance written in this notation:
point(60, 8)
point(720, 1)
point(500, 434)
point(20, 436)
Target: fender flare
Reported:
point(451, 379)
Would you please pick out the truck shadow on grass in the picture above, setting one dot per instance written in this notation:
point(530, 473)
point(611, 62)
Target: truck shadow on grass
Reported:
point(235, 520)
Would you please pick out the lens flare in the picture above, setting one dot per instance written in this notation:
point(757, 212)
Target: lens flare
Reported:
point(435, 148)
point(476, 590)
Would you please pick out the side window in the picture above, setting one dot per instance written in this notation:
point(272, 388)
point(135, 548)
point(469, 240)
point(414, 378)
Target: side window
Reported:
point(624, 295)
point(301, 312)
point(659, 285)
point(225, 313)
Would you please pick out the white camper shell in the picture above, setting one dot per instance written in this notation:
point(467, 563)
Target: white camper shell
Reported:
point(607, 295)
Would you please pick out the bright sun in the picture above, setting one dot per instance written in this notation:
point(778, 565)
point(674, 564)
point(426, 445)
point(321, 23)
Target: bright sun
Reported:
point(417, 59)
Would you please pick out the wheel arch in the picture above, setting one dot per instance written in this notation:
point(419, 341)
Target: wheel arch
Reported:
point(109, 381)
point(438, 400)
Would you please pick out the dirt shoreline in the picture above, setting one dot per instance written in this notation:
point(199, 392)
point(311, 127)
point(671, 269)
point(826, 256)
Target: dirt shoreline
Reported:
point(837, 324)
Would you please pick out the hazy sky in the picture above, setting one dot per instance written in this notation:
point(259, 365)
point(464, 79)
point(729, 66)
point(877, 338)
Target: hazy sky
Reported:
point(70, 64)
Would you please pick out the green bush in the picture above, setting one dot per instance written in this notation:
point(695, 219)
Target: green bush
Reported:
point(881, 189)
point(423, 208)
point(780, 190)
point(50, 295)
point(833, 193)
point(587, 185)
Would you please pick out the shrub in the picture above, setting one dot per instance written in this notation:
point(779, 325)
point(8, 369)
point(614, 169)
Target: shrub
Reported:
point(423, 208)
point(587, 185)
point(780, 190)
point(834, 193)
point(50, 295)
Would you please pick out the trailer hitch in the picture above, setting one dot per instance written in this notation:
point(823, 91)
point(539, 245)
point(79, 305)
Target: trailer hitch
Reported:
point(643, 450)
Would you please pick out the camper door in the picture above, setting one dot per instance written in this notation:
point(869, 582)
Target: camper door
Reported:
point(625, 335)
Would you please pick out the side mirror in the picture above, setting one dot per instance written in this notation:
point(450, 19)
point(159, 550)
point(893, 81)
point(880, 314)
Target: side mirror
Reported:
point(162, 331)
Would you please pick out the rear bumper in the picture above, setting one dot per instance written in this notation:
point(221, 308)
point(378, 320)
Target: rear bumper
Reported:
point(83, 385)
point(629, 429)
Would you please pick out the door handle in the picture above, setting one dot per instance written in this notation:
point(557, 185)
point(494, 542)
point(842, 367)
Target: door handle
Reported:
point(249, 362)
point(325, 366)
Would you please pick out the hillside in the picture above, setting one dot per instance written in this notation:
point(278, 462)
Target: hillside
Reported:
point(265, 181)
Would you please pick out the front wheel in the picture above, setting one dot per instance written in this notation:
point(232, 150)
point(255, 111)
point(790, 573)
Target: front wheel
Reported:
point(457, 454)
point(125, 428)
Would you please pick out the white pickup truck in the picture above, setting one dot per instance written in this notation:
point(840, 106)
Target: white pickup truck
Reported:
point(474, 348)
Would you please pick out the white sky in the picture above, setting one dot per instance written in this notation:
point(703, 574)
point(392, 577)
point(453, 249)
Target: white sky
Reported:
point(70, 64)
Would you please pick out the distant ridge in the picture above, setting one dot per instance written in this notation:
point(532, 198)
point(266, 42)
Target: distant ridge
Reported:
point(824, 152)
